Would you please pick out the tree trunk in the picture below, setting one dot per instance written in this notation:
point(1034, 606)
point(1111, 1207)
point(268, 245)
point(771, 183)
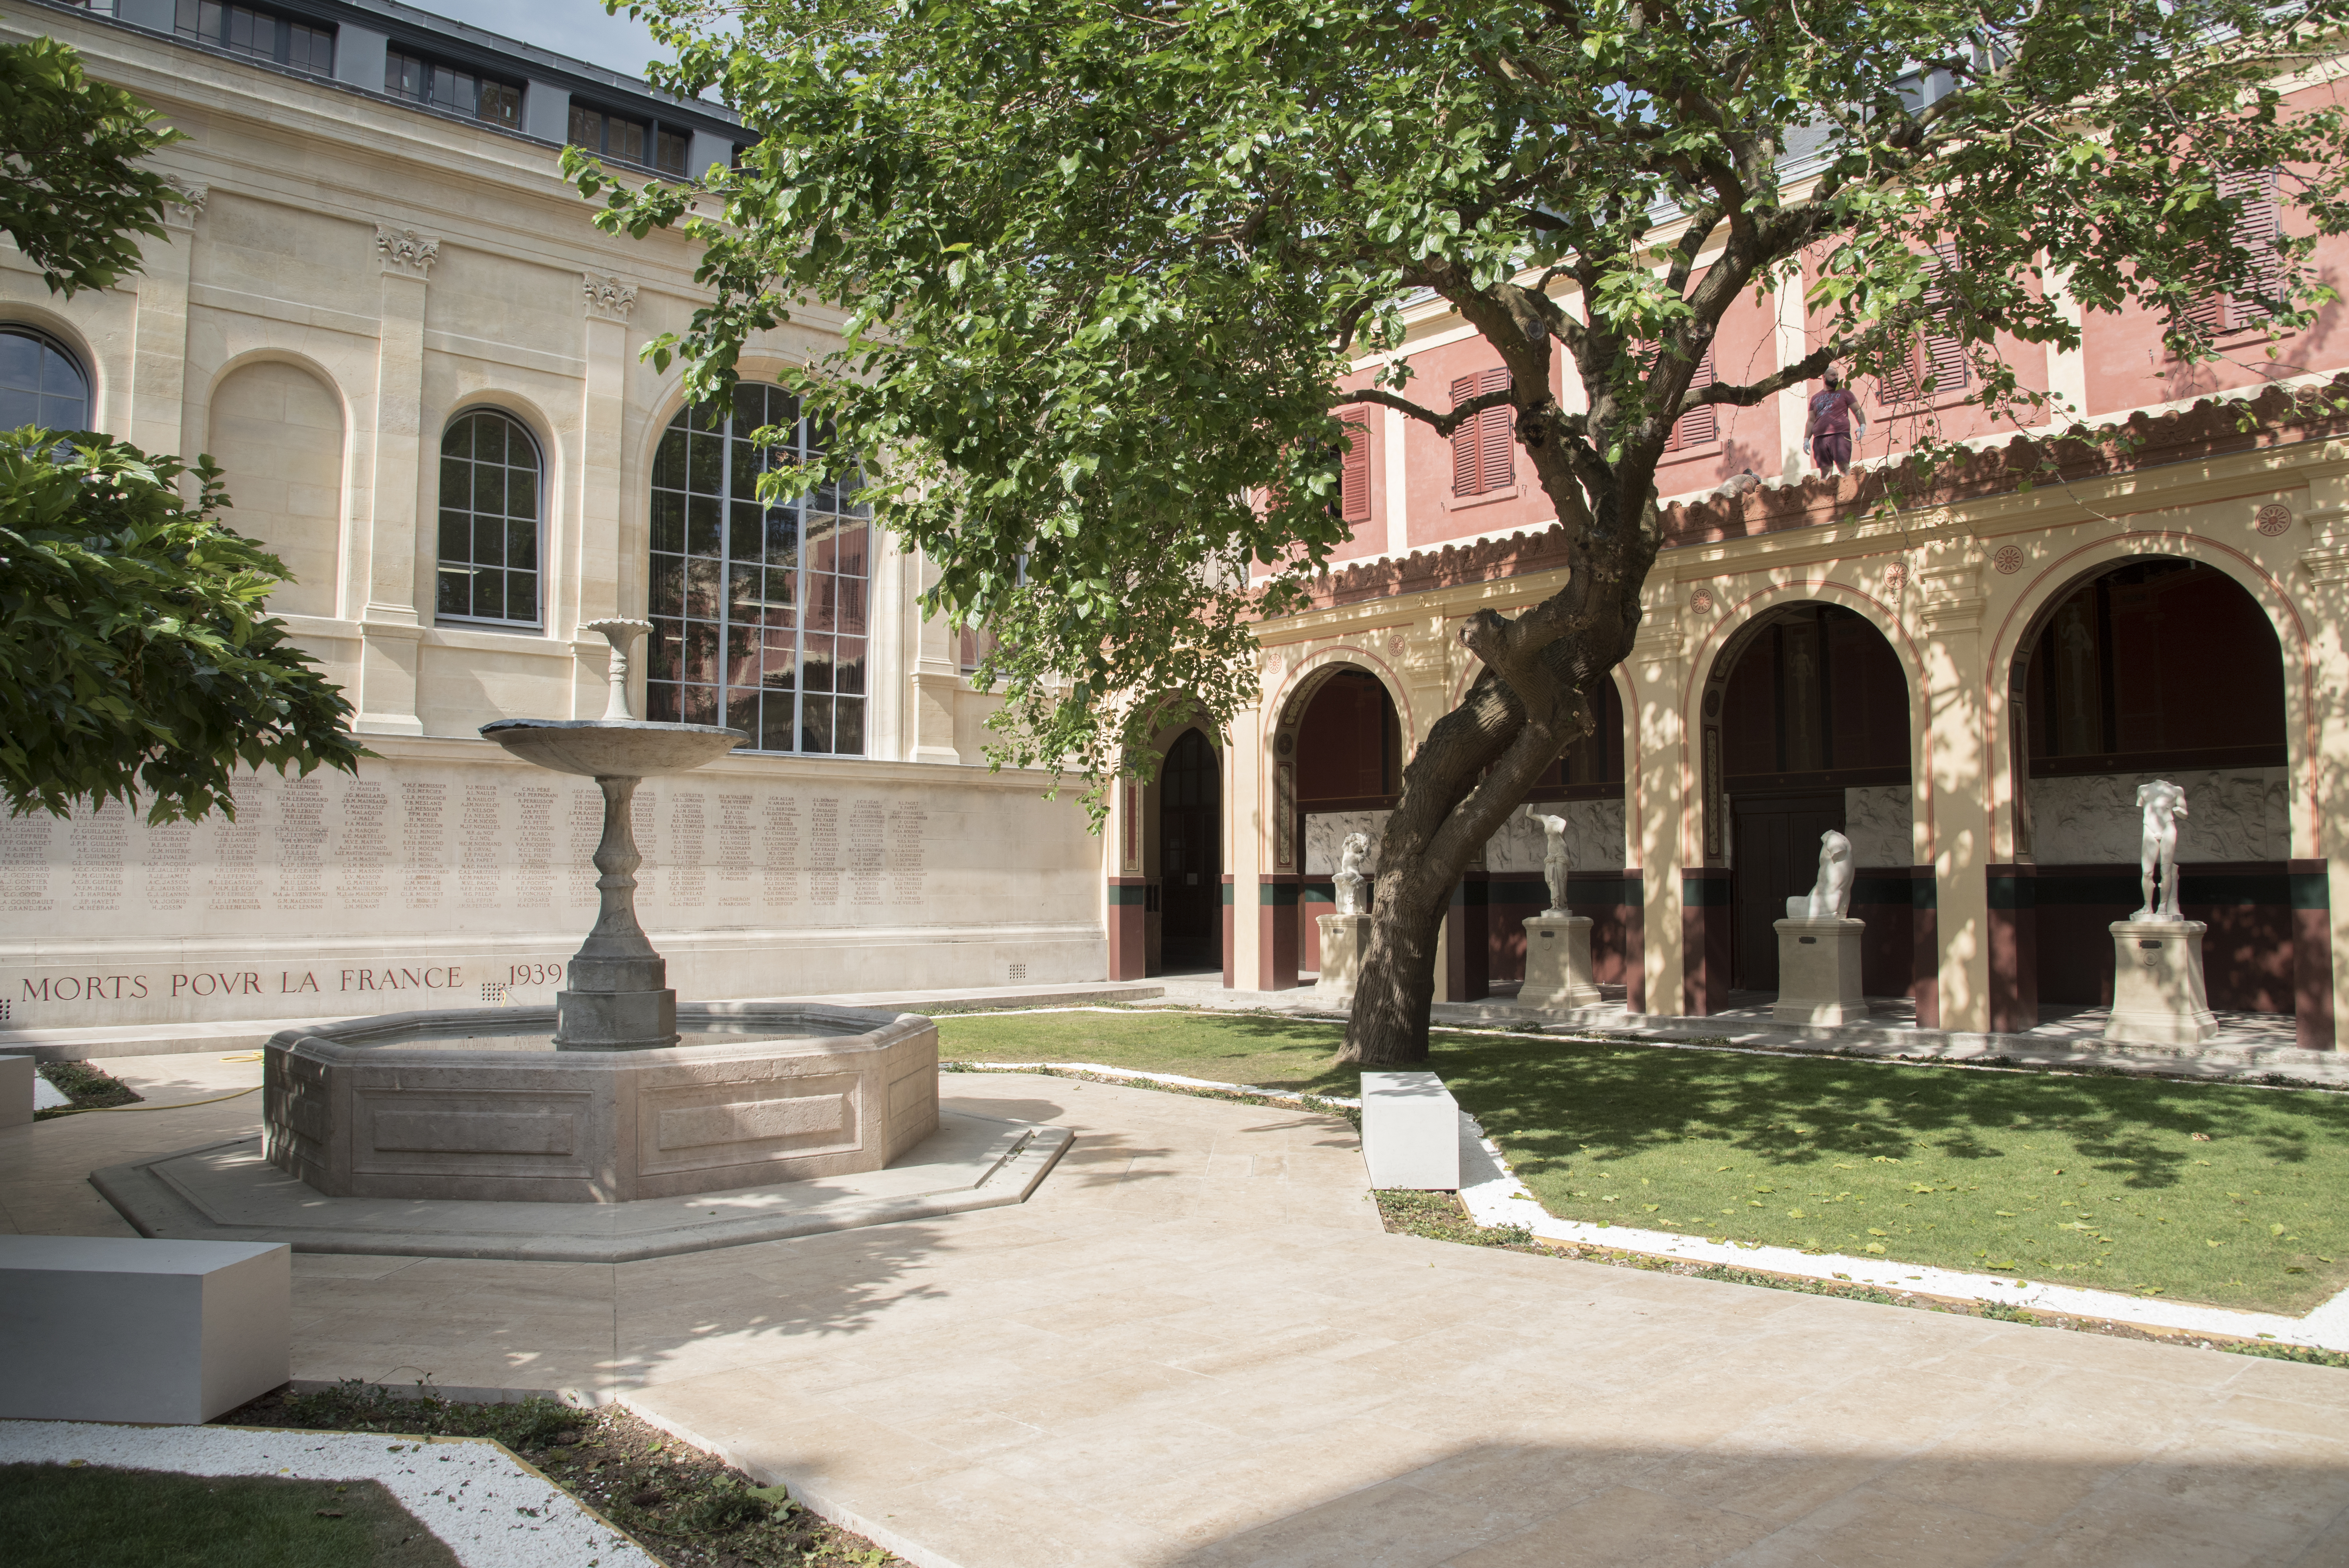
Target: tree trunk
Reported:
point(1531, 703)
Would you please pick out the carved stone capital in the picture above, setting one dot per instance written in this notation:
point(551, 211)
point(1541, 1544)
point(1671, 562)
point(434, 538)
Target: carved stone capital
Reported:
point(405, 252)
point(2325, 559)
point(186, 204)
point(608, 299)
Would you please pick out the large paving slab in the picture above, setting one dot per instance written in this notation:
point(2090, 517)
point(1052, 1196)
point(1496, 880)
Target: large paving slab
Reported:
point(1194, 1346)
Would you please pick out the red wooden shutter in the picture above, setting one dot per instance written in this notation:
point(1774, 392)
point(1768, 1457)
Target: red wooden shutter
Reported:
point(1943, 356)
point(1467, 470)
point(1497, 433)
point(1698, 427)
point(1355, 467)
point(1484, 455)
point(2257, 227)
point(1937, 356)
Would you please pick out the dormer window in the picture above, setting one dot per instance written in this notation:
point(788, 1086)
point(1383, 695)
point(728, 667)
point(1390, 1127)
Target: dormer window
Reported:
point(628, 139)
point(448, 87)
point(264, 36)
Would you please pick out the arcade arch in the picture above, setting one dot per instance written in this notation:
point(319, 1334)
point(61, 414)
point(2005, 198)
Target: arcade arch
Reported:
point(1805, 720)
point(1187, 800)
point(2158, 665)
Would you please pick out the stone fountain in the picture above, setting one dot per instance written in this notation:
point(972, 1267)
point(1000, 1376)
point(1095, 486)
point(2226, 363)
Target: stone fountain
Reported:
point(600, 1099)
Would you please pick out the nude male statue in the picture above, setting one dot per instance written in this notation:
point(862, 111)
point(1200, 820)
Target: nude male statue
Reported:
point(2163, 804)
point(1554, 859)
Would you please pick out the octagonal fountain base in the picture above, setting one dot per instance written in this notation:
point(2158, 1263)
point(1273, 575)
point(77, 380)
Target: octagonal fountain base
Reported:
point(478, 1104)
point(465, 1135)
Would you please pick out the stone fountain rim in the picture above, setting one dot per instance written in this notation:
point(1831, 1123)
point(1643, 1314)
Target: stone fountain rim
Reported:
point(349, 1039)
point(742, 737)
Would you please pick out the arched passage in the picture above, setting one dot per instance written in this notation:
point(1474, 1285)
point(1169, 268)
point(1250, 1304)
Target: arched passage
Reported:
point(1805, 718)
point(1586, 786)
point(2158, 667)
point(1338, 755)
point(1335, 764)
point(1188, 873)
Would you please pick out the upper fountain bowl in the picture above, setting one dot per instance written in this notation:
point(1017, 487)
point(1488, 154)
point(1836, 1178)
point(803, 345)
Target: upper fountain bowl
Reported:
point(612, 749)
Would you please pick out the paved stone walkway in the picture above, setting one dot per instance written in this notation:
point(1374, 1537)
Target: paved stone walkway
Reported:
point(1195, 1346)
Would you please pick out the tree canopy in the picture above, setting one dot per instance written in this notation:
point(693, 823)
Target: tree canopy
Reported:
point(72, 195)
point(1106, 261)
point(138, 659)
point(1105, 264)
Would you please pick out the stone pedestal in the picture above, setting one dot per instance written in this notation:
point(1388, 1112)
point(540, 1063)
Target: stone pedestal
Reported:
point(1558, 964)
point(2158, 997)
point(1344, 939)
point(1818, 972)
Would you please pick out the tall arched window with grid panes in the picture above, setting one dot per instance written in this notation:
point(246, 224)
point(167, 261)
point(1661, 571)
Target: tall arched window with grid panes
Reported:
point(490, 494)
point(758, 611)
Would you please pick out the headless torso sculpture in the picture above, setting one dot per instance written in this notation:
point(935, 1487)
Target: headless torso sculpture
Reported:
point(2163, 804)
point(1830, 896)
point(1555, 861)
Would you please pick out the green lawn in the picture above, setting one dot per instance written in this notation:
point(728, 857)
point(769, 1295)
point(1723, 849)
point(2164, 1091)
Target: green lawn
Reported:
point(89, 1516)
point(2097, 1181)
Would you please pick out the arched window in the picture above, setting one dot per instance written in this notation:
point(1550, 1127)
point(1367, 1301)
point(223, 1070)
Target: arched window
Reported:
point(40, 383)
point(758, 611)
point(489, 521)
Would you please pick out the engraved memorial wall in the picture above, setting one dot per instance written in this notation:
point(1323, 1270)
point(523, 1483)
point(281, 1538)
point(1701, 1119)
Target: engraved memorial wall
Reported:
point(456, 877)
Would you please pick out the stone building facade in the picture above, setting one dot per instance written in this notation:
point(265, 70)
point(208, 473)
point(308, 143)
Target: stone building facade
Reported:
point(1971, 684)
point(384, 313)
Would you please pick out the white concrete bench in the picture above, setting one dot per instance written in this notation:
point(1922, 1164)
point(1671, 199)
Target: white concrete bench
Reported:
point(1411, 1132)
point(114, 1329)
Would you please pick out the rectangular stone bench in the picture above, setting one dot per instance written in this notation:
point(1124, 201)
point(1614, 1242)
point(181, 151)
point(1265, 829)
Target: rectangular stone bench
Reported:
point(16, 1091)
point(106, 1328)
point(1411, 1132)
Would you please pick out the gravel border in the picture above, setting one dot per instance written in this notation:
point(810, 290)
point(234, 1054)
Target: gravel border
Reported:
point(490, 1508)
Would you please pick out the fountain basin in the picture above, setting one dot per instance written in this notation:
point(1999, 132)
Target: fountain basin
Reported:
point(613, 748)
point(478, 1103)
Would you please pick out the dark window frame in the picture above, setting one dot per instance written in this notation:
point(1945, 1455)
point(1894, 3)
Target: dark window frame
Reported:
point(656, 131)
point(54, 347)
point(466, 570)
point(433, 68)
point(191, 17)
point(751, 628)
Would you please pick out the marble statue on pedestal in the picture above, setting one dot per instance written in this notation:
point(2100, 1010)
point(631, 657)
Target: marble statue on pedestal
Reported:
point(1830, 896)
point(2163, 804)
point(1555, 860)
point(1350, 878)
point(1345, 936)
point(2159, 993)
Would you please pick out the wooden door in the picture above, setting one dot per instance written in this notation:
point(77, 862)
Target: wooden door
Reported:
point(1190, 856)
point(1775, 853)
